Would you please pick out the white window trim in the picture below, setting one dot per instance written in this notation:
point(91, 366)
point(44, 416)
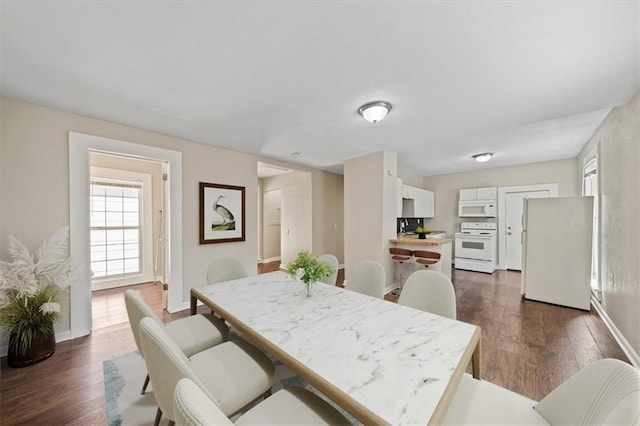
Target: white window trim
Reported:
point(146, 258)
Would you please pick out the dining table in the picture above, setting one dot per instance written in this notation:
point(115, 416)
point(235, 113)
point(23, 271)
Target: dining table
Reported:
point(381, 362)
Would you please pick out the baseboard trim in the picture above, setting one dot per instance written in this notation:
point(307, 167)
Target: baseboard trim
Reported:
point(270, 259)
point(615, 332)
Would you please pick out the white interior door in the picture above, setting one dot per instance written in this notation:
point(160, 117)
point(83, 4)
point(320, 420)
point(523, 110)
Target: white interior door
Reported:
point(513, 223)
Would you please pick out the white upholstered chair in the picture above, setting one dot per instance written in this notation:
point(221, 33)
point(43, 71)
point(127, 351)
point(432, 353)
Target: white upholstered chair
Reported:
point(225, 269)
point(604, 392)
point(192, 334)
point(332, 261)
point(233, 374)
point(429, 291)
point(290, 406)
point(368, 278)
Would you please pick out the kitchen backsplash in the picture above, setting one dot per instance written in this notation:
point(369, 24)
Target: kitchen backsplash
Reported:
point(410, 224)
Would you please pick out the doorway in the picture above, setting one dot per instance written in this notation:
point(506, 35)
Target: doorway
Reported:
point(513, 221)
point(285, 219)
point(80, 147)
point(125, 217)
point(510, 206)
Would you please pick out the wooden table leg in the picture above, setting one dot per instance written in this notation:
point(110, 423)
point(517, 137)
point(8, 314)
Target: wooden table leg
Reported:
point(194, 304)
point(475, 361)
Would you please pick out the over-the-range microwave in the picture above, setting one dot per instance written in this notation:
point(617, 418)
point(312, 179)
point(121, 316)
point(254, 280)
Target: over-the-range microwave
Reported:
point(477, 209)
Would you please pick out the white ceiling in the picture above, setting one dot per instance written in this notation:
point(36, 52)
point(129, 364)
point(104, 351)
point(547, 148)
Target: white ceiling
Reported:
point(530, 81)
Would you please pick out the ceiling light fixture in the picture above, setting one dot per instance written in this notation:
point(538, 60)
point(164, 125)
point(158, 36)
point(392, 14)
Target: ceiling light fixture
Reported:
point(482, 158)
point(374, 111)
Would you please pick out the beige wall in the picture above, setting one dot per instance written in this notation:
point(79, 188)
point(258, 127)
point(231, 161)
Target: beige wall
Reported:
point(328, 214)
point(446, 187)
point(619, 175)
point(34, 182)
point(370, 209)
point(411, 179)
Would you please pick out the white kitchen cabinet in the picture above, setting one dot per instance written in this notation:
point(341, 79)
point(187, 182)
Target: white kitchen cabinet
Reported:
point(488, 194)
point(468, 194)
point(479, 194)
point(417, 202)
point(429, 210)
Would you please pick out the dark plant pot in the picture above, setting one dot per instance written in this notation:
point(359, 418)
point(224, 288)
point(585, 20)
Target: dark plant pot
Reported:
point(42, 347)
point(422, 236)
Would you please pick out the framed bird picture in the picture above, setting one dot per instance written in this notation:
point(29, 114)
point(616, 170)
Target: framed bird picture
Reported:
point(222, 213)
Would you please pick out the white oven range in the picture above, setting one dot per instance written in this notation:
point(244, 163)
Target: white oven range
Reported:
point(476, 247)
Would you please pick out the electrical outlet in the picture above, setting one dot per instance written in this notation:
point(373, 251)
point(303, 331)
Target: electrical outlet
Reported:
point(612, 281)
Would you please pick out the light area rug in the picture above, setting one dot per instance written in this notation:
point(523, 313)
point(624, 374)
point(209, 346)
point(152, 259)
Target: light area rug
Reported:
point(123, 379)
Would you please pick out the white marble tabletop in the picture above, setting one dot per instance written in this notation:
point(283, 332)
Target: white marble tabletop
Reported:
point(381, 361)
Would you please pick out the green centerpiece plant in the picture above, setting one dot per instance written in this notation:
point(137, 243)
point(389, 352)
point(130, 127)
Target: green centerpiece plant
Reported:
point(422, 232)
point(308, 269)
point(30, 286)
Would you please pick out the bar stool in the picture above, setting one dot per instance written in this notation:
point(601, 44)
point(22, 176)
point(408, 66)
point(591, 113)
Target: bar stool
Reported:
point(400, 256)
point(426, 258)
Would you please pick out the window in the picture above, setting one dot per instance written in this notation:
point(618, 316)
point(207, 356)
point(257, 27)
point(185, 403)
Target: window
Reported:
point(115, 208)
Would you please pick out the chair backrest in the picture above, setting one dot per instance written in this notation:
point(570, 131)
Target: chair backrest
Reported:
point(430, 291)
point(606, 391)
point(166, 365)
point(137, 309)
point(192, 406)
point(368, 277)
point(225, 269)
point(331, 260)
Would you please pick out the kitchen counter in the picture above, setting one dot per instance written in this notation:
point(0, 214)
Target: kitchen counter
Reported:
point(414, 240)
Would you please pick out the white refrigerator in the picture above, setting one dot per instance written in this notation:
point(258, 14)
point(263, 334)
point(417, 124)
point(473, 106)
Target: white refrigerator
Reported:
point(556, 250)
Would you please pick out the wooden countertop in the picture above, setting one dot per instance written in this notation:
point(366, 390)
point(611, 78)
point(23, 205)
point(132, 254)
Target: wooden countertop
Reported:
point(413, 239)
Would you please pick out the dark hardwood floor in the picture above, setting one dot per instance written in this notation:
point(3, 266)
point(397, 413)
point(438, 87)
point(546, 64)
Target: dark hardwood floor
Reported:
point(527, 346)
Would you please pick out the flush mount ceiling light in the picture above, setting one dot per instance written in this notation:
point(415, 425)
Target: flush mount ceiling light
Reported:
point(482, 158)
point(374, 111)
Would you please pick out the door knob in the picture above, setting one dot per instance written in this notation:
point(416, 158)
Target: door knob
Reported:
point(508, 233)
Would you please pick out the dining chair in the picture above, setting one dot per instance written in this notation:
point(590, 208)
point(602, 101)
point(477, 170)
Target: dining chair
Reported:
point(224, 269)
point(293, 406)
point(191, 334)
point(429, 291)
point(233, 373)
point(606, 391)
point(368, 278)
point(332, 261)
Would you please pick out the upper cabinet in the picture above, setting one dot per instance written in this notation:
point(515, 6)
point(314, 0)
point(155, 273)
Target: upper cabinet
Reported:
point(416, 202)
point(479, 194)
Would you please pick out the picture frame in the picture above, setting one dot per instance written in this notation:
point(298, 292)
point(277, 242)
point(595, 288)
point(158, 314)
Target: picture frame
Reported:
point(222, 213)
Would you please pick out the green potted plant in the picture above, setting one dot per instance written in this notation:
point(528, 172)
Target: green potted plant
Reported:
point(30, 286)
point(308, 269)
point(422, 232)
